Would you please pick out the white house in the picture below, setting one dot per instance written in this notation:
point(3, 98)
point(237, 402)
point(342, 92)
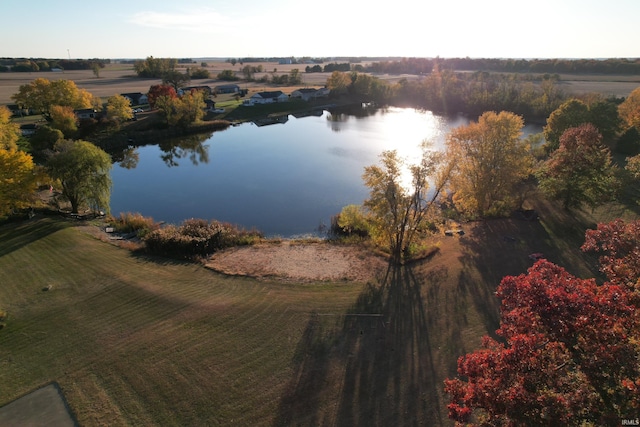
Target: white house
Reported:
point(269, 97)
point(86, 113)
point(136, 98)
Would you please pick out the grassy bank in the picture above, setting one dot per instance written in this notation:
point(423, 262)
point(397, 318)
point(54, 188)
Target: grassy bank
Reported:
point(134, 340)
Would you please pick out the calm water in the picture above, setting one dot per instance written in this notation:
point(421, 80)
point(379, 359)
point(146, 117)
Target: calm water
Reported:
point(283, 179)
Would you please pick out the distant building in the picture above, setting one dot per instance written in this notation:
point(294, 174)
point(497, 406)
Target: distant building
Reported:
point(86, 113)
point(269, 97)
point(136, 98)
point(205, 89)
point(308, 94)
point(228, 88)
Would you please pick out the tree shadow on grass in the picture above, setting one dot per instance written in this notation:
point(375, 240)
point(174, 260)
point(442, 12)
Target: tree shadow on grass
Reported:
point(16, 235)
point(375, 364)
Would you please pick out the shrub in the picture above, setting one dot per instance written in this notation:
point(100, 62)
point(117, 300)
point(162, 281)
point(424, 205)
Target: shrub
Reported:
point(133, 223)
point(351, 221)
point(197, 238)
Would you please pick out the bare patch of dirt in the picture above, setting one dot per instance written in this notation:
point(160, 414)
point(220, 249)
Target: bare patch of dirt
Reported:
point(304, 262)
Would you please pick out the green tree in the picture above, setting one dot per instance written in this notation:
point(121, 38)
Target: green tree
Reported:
point(580, 170)
point(604, 116)
point(570, 114)
point(96, 68)
point(119, 108)
point(601, 113)
point(45, 138)
point(400, 210)
point(83, 171)
point(9, 131)
point(227, 75)
point(155, 67)
point(18, 180)
point(490, 162)
point(175, 79)
point(248, 71)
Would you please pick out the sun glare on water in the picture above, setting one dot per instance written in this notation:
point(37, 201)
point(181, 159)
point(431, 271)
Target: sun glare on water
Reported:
point(416, 127)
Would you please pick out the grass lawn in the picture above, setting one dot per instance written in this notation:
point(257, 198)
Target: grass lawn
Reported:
point(134, 340)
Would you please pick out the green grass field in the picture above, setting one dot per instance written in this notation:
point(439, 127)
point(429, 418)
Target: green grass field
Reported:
point(133, 340)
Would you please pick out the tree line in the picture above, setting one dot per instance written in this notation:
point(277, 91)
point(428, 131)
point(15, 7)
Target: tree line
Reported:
point(34, 64)
point(423, 66)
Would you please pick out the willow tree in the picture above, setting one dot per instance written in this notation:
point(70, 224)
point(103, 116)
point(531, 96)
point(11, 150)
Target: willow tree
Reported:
point(400, 210)
point(490, 162)
point(83, 171)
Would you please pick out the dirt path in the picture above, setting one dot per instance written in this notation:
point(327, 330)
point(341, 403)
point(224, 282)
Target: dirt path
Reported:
point(306, 262)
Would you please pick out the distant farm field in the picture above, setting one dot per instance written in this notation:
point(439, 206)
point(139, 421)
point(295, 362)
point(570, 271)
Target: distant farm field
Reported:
point(120, 78)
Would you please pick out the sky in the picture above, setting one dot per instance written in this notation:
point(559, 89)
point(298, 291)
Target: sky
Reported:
point(323, 28)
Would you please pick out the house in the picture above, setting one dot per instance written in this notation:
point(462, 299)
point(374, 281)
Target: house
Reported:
point(308, 94)
point(86, 113)
point(229, 88)
point(269, 97)
point(136, 98)
point(210, 104)
point(205, 89)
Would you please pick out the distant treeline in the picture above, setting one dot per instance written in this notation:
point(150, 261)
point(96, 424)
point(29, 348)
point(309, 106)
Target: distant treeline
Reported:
point(549, 66)
point(329, 68)
point(35, 64)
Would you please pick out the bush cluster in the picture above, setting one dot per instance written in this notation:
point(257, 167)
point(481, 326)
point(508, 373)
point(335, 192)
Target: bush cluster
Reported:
point(133, 223)
point(197, 238)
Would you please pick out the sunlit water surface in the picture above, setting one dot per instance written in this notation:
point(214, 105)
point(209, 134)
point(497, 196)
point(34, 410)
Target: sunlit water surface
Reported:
point(283, 179)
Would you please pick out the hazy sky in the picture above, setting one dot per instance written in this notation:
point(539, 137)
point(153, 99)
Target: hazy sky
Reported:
point(240, 28)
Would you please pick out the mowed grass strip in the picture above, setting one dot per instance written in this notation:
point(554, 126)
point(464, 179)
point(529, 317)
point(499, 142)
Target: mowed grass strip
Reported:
point(136, 340)
point(133, 340)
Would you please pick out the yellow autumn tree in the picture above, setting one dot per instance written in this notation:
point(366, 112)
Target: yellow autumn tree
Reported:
point(119, 108)
point(63, 119)
point(41, 94)
point(629, 110)
point(18, 180)
point(9, 131)
point(490, 161)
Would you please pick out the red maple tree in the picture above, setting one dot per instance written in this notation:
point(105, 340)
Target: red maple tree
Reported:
point(569, 348)
point(157, 91)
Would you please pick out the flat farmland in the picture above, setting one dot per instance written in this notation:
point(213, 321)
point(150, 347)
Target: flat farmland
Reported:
point(121, 78)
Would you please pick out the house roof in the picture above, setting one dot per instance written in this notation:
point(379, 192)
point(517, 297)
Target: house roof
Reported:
point(270, 94)
point(307, 90)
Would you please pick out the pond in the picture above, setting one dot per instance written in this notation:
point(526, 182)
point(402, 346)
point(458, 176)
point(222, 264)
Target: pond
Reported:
point(285, 179)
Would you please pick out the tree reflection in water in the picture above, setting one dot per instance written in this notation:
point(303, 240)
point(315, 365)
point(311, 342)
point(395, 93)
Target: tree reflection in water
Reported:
point(191, 147)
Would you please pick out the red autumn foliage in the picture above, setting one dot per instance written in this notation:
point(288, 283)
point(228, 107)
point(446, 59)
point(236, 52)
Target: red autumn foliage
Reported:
point(619, 247)
point(157, 91)
point(569, 352)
